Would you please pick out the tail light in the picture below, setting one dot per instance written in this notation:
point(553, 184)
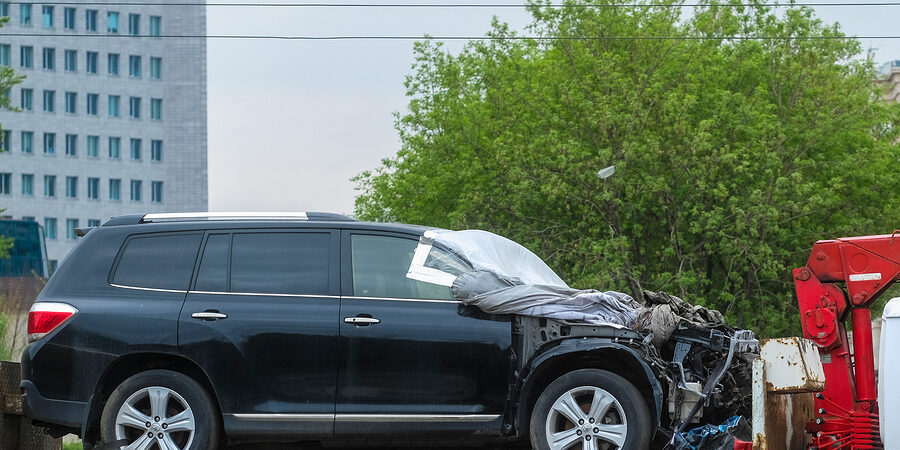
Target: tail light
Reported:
point(45, 317)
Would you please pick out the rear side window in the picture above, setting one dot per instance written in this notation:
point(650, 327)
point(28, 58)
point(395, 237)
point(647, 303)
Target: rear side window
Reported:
point(158, 262)
point(280, 263)
point(213, 274)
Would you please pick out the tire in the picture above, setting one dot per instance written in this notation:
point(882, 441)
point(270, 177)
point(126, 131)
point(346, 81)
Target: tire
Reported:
point(621, 418)
point(190, 420)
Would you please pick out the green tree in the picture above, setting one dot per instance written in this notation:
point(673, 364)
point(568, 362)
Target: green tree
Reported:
point(732, 155)
point(8, 79)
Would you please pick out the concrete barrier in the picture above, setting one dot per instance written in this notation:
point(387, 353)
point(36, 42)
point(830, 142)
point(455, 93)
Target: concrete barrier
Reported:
point(16, 431)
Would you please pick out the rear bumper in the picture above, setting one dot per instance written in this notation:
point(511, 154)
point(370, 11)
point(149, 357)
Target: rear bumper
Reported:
point(69, 414)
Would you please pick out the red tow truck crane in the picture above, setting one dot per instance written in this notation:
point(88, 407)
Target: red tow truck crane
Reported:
point(847, 411)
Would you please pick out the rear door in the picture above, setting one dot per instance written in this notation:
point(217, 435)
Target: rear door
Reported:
point(412, 357)
point(261, 321)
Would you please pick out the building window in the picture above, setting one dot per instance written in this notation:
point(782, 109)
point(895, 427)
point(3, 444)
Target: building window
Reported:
point(4, 9)
point(135, 149)
point(90, 62)
point(25, 14)
point(49, 101)
point(90, 20)
point(93, 222)
point(134, 107)
point(71, 145)
point(27, 99)
point(156, 150)
point(155, 67)
point(115, 145)
point(70, 60)
point(5, 52)
point(28, 184)
point(27, 142)
point(71, 101)
point(49, 62)
point(92, 100)
point(5, 183)
point(155, 25)
point(115, 189)
point(156, 108)
point(156, 192)
point(71, 187)
point(26, 57)
point(49, 143)
point(93, 188)
point(136, 190)
point(6, 140)
point(112, 63)
point(49, 228)
point(71, 225)
point(134, 66)
point(112, 22)
point(114, 106)
point(134, 24)
point(47, 16)
point(93, 146)
point(49, 185)
point(69, 18)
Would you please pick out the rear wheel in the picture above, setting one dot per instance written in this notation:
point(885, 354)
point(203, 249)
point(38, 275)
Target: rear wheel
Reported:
point(160, 409)
point(590, 409)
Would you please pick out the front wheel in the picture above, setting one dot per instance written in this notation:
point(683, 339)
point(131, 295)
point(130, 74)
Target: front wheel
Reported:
point(590, 409)
point(160, 409)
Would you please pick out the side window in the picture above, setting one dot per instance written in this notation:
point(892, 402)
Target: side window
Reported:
point(213, 273)
point(379, 265)
point(280, 263)
point(158, 262)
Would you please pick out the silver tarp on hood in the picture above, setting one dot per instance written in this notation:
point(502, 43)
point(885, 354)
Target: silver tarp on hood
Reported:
point(502, 277)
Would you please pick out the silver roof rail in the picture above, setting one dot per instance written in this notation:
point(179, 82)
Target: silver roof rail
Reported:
point(181, 217)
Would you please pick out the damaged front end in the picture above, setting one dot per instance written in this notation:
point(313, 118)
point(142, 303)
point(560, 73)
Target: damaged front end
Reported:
point(698, 375)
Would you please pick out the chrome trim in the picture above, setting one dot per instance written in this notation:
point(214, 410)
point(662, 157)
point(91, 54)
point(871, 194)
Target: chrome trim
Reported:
point(411, 418)
point(265, 295)
point(224, 216)
point(176, 291)
point(416, 417)
point(209, 315)
point(285, 417)
point(362, 320)
point(392, 299)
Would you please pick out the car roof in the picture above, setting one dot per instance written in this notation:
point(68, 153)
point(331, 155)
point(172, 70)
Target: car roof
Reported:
point(207, 221)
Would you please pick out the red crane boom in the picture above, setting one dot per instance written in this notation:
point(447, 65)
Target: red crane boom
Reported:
point(847, 411)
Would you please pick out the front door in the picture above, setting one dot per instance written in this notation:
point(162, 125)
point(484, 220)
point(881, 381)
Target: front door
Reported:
point(261, 321)
point(412, 357)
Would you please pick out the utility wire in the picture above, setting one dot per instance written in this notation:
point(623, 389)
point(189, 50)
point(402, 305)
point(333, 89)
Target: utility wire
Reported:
point(455, 5)
point(457, 38)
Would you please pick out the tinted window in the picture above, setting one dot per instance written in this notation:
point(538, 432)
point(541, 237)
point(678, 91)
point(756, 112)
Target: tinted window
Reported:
point(380, 264)
point(160, 262)
point(280, 263)
point(213, 274)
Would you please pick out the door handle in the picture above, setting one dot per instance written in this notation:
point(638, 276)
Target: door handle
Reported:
point(361, 321)
point(209, 315)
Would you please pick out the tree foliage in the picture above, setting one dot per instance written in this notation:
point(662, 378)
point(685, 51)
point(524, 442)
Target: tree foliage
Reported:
point(8, 79)
point(732, 155)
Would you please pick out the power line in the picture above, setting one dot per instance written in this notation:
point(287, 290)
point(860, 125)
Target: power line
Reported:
point(457, 38)
point(456, 5)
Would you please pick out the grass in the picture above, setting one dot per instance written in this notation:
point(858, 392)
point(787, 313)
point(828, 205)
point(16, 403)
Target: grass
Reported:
point(72, 446)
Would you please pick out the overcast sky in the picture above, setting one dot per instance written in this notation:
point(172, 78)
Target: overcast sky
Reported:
point(290, 122)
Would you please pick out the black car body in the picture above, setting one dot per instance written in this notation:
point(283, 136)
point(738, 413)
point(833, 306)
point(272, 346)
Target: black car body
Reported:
point(308, 330)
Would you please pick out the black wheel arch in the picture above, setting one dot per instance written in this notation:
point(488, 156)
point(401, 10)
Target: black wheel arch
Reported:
point(581, 353)
point(131, 364)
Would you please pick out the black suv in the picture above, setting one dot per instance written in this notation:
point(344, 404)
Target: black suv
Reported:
point(190, 331)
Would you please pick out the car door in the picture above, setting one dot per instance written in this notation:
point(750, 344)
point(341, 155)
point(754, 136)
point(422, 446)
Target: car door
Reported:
point(412, 357)
point(261, 322)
